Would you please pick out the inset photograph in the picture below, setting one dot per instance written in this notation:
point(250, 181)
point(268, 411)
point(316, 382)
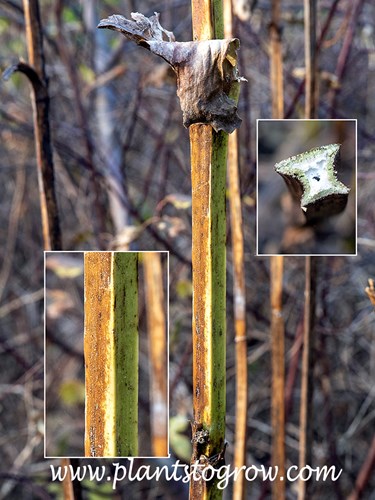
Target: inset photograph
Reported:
point(306, 187)
point(106, 354)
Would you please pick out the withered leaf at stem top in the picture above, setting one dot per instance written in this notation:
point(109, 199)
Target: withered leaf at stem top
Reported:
point(207, 74)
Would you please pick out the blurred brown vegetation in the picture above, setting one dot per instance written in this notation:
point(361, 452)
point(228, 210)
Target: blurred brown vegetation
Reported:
point(113, 103)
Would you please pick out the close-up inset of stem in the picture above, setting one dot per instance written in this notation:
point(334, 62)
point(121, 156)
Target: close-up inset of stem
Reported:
point(121, 371)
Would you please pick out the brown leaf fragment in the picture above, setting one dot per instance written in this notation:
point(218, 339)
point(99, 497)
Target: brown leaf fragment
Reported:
point(139, 30)
point(207, 74)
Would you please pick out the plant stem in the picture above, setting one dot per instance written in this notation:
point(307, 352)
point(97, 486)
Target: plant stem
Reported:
point(158, 350)
point(111, 353)
point(40, 102)
point(276, 62)
point(310, 59)
point(306, 416)
point(72, 489)
point(208, 162)
point(277, 265)
point(239, 292)
point(208, 173)
point(278, 376)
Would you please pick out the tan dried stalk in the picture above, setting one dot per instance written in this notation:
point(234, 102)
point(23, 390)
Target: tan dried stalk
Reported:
point(72, 489)
point(277, 264)
point(67, 482)
point(156, 326)
point(276, 57)
point(278, 377)
point(239, 293)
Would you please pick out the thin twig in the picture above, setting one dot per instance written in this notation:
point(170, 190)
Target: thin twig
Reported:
point(276, 62)
point(278, 376)
point(306, 417)
point(310, 58)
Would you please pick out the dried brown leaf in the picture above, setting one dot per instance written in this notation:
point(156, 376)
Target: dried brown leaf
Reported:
point(207, 74)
